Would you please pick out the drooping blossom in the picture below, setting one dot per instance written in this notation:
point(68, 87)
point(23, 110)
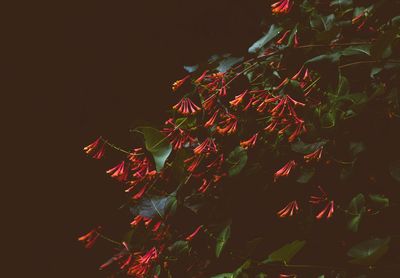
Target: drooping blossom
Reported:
point(96, 149)
point(119, 172)
point(283, 83)
point(283, 37)
point(319, 199)
point(177, 84)
point(90, 238)
point(186, 106)
point(285, 170)
point(327, 211)
point(200, 79)
point(296, 40)
point(228, 126)
point(140, 193)
point(300, 128)
point(205, 184)
point(282, 6)
point(194, 162)
point(207, 146)
point(192, 235)
point(250, 142)
point(178, 136)
point(143, 263)
point(212, 120)
point(314, 156)
point(303, 76)
point(289, 210)
point(238, 99)
point(282, 275)
point(209, 102)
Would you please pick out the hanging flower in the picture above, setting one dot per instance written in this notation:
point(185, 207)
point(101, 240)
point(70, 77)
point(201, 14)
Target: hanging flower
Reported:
point(314, 156)
point(283, 37)
point(177, 84)
point(90, 238)
point(198, 80)
point(186, 107)
point(95, 149)
point(282, 6)
point(250, 142)
point(327, 211)
point(204, 185)
point(238, 99)
point(192, 235)
point(285, 170)
point(206, 147)
point(211, 121)
point(118, 172)
point(289, 210)
point(229, 125)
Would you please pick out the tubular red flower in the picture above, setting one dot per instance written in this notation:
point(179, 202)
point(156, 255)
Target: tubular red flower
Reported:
point(177, 84)
point(314, 156)
point(186, 107)
point(328, 210)
point(95, 149)
point(90, 238)
point(282, 6)
point(283, 37)
point(206, 147)
point(209, 103)
point(192, 235)
point(139, 194)
point(204, 186)
point(118, 172)
point(211, 121)
point(289, 210)
point(285, 170)
point(250, 142)
point(230, 125)
point(238, 99)
point(198, 80)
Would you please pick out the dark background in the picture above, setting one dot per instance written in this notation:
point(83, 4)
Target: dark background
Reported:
point(77, 70)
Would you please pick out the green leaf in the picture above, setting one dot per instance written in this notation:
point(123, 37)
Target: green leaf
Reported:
point(382, 47)
point(222, 240)
point(356, 210)
point(380, 201)
point(341, 3)
point(238, 159)
point(322, 23)
point(328, 119)
point(306, 148)
point(228, 62)
point(224, 275)
point(331, 58)
point(157, 144)
point(394, 170)
point(286, 253)
point(180, 247)
point(357, 50)
point(237, 272)
point(306, 173)
point(369, 252)
point(151, 207)
point(343, 86)
point(272, 33)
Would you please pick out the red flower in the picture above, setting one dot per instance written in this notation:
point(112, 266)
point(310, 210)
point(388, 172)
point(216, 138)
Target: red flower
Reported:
point(211, 121)
point(139, 194)
point(186, 107)
point(314, 156)
point(238, 99)
point(195, 161)
point(192, 235)
point(119, 172)
point(289, 210)
point(209, 102)
point(207, 146)
point(282, 6)
point(230, 125)
point(177, 84)
point(285, 170)
point(90, 238)
point(328, 210)
point(94, 150)
point(198, 80)
point(283, 37)
point(250, 142)
point(204, 186)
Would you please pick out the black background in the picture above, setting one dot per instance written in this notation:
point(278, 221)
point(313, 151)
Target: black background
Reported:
point(77, 70)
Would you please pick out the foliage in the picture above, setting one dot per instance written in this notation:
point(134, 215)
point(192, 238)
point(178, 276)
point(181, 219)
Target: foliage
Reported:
point(268, 157)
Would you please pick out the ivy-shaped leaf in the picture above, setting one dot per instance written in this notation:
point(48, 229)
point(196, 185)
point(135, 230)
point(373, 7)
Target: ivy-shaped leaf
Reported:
point(286, 253)
point(157, 144)
point(272, 33)
point(151, 207)
point(355, 211)
point(306, 148)
point(180, 247)
point(369, 252)
point(222, 240)
point(238, 159)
